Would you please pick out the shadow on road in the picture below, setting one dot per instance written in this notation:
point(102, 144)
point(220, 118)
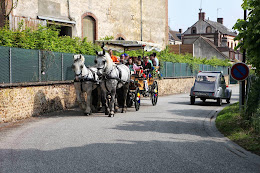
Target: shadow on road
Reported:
point(127, 156)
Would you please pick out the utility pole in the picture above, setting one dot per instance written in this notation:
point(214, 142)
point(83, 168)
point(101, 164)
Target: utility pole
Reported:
point(141, 6)
point(244, 61)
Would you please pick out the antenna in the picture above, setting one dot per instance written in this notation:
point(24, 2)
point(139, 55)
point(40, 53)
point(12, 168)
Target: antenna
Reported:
point(217, 11)
point(200, 5)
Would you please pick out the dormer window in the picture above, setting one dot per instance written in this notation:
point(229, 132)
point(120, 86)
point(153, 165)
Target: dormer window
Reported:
point(208, 29)
point(193, 30)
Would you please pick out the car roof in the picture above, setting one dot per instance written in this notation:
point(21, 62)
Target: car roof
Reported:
point(209, 73)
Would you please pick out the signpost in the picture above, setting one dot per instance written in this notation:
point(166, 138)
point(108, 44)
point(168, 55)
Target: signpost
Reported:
point(239, 71)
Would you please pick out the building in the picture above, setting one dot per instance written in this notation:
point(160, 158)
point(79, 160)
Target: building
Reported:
point(175, 37)
point(142, 20)
point(211, 38)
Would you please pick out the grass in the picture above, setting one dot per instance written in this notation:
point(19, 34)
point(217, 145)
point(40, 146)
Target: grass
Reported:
point(230, 123)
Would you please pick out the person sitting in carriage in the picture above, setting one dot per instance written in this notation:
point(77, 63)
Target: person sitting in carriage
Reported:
point(130, 65)
point(147, 66)
point(113, 57)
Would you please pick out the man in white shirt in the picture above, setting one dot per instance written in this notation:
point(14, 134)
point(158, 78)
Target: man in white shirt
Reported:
point(156, 59)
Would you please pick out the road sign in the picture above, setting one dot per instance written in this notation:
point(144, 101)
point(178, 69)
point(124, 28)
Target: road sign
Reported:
point(239, 71)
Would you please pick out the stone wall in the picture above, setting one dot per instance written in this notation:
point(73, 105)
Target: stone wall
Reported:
point(175, 86)
point(22, 102)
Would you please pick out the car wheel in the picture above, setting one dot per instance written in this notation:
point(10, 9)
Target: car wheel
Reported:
point(192, 100)
point(219, 101)
point(228, 100)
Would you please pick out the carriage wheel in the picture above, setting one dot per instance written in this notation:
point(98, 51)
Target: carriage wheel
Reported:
point(154, 93)
point(137, 99)
point(129, 100)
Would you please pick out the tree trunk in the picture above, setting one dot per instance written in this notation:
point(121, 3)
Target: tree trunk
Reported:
point(2, 13)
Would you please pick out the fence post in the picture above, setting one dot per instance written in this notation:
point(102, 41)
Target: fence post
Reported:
point(165, 69)
point(180, 71)
point(39, 63)
point(186, 69)
point(62, 76)
point(10, 65)
point(173, 69)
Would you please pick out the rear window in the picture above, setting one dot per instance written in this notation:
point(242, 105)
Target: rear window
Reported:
point(206, 78)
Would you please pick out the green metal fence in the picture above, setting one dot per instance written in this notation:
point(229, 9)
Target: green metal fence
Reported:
point(24, 65)
point(172, 70)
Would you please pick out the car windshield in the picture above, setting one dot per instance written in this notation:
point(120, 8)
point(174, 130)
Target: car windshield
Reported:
point(210, 79)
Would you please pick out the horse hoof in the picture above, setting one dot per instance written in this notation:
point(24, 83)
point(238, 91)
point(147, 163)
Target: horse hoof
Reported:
point(112, 114)
point(87, 114)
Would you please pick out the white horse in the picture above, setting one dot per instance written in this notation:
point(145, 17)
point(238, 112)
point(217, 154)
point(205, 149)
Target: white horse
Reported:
point(112, 77)
point(85, 81)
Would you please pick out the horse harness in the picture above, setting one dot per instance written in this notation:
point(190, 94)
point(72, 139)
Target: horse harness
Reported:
point(107, 76)
point(85, 79)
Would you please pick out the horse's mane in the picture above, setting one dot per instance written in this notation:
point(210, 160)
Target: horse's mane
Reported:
point(79, 57)
point(109, 61)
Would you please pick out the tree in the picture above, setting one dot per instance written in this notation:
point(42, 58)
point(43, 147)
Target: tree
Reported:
point(6, 7)
point(249, 33)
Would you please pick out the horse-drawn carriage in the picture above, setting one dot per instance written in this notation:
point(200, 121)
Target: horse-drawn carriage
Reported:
point(110, 78)
point(142, 83)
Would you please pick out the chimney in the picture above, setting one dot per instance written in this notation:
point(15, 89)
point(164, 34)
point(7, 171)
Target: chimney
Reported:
point(201, 15)
point(180, 30)
point(216, 39)
point(220, 20)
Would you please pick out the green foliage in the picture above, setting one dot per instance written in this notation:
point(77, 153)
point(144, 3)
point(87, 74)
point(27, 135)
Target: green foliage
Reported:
point(232, 125)
point(165, 55)
point(253, 103)
point(249, 32)
point(168, 56)
point(107, 38)
point(45, 38)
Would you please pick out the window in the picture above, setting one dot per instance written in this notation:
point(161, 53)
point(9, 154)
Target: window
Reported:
point(208, 29)
point(231, 45)
point(64, 30)
point(193, 30)
point(205, 78)
point(223, 80)
point(120, 38)
point(89, 28)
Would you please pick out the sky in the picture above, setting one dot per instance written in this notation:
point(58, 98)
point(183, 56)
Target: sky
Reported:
point(184, 13)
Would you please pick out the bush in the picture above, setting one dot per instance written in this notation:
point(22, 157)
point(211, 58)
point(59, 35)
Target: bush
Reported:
point(45, 38)
point(168, 56)
point(253, 103)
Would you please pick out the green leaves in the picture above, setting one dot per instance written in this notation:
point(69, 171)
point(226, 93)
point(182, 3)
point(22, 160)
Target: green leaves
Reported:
point(249, 33)
point(187, 58)
point(45, 38)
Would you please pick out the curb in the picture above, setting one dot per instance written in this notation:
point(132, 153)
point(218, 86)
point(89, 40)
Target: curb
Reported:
point(211, 129)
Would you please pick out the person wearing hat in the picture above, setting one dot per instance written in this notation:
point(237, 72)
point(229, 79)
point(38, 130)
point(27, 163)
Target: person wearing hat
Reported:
point(122, 59)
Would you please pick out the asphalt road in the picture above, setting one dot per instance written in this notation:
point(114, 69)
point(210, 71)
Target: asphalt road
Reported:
point(172, 136)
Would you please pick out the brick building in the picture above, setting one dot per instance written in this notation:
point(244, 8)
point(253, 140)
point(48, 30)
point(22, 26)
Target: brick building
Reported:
point(211, 38)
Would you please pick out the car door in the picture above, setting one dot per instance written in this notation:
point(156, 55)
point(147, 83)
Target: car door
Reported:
point(223, 85)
